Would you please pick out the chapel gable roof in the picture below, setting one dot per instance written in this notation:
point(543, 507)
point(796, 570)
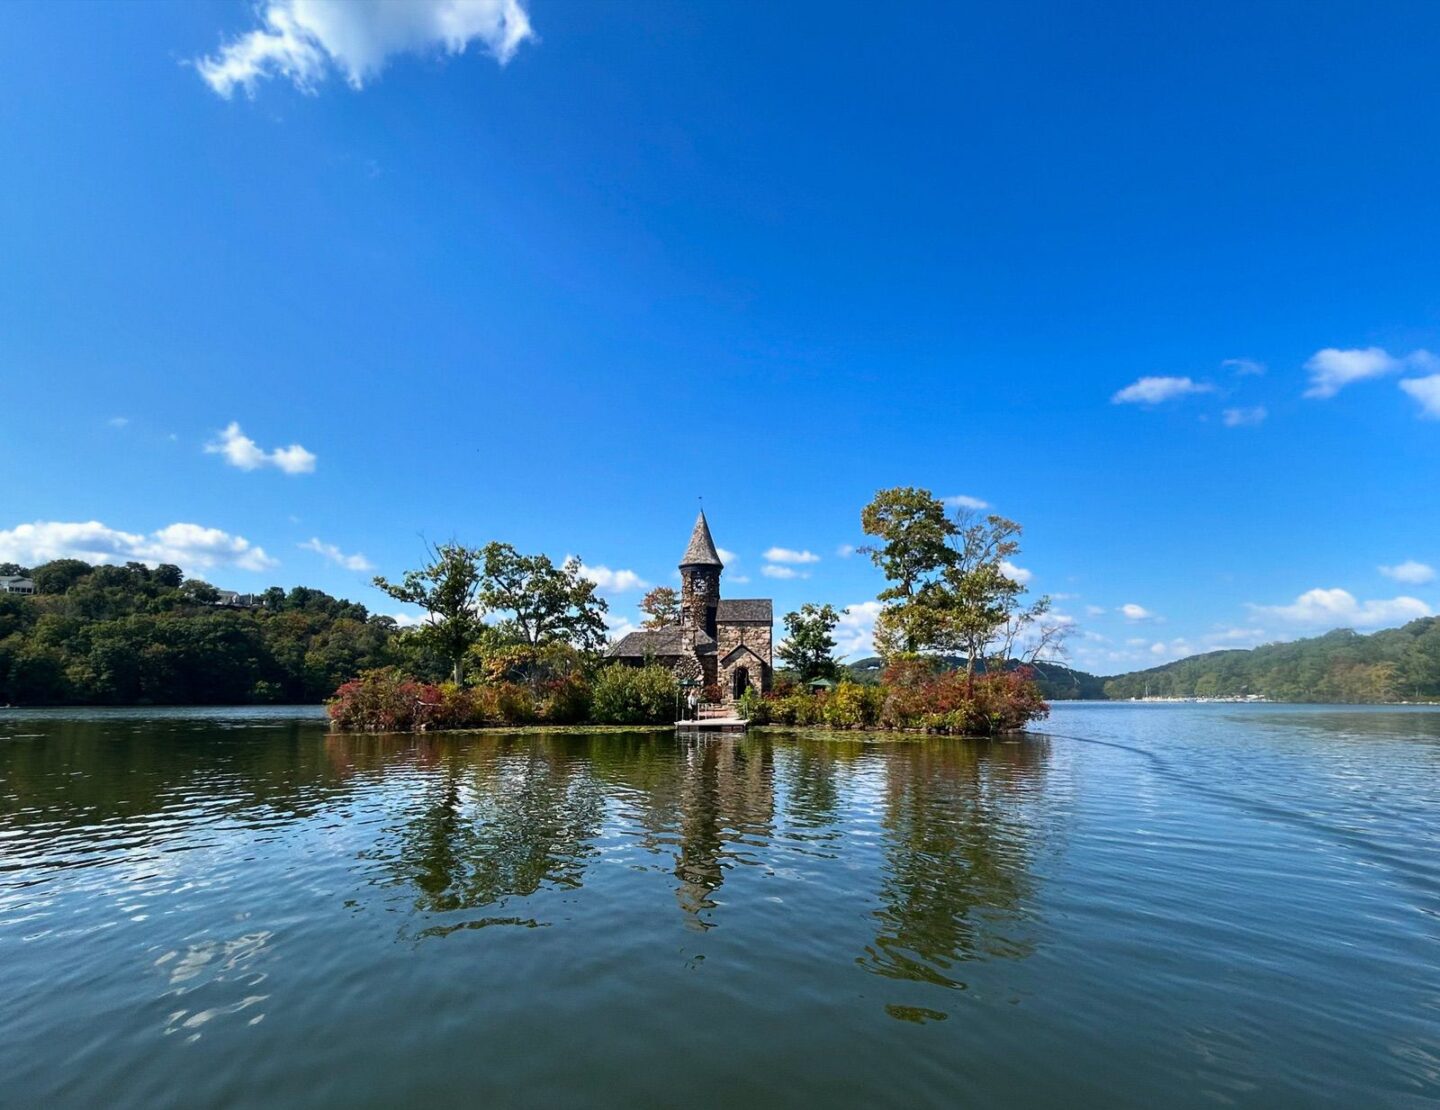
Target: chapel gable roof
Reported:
point(738, 651)
point(660, 643)
point(745, 610)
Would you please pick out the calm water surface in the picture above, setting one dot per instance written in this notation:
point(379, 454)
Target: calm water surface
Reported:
point(1144, 905)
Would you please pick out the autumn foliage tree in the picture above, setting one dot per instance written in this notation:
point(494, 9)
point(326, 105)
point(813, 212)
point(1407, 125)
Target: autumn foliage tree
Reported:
point(661, 607)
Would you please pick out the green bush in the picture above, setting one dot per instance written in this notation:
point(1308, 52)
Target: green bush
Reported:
point(634, 695)
point(851, 705)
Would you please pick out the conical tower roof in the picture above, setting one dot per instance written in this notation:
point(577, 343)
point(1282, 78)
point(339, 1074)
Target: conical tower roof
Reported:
point(701, 551)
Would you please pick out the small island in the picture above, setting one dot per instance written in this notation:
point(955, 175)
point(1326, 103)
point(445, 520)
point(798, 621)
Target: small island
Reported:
point(522, 641)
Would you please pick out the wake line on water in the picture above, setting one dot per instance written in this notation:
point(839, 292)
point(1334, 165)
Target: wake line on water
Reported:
point(1424, 881)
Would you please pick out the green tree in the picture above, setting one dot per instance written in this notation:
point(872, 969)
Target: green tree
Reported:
point(661, 607)
point(913, 551)
point(809, 645)
point(913, 535)
point(58, 576)
point(543, 603)
point(986, 615)
point(448, 588)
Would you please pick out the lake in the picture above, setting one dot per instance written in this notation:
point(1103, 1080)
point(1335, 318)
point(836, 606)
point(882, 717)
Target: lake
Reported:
point(1140, 905)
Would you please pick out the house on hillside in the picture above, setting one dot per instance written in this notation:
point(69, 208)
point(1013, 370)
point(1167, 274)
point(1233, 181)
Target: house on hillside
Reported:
point(725, 643)
point(14, 584)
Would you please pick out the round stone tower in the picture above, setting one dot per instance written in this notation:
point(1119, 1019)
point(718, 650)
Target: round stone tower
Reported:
point(700, 569)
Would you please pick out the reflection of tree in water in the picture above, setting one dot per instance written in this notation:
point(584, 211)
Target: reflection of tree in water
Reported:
point(959, 841)
point(496, 819)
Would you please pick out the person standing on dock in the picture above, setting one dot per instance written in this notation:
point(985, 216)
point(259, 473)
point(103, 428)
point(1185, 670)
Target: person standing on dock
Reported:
point(692, 706)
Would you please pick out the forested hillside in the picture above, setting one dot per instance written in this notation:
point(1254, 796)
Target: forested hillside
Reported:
point(135, 635)
point(1398, 664)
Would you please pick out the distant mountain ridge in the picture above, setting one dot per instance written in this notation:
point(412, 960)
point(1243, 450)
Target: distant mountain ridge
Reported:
point(1392, 665)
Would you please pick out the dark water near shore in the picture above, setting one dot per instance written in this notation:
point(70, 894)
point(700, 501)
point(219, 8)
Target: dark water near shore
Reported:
point(1144, 905)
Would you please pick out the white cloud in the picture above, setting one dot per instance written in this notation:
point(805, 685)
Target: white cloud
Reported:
point(239, 450)
point(1133, 612)
point(1154, 390)
point(1014, 573)
point(118, 421)
point(845, 550)
point(302, 40)
point(855, 632)
point(1410, 572)
point(1237, 637)
point(790, 555)
point(727, 557)
point(189, 546)
point(615, 580)
point(619, 626)
point(335, 555)
point(406, 620)
point(1244, 366)
point(1332, 369)
point(1094, 610)
point(740, 579)
point(770, 570)
point(1244, 418)
point(1339, 608)
point(1426, 391)
point(965, 501)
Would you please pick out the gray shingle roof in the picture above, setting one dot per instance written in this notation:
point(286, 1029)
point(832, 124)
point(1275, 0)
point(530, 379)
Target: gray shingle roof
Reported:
point(745, 609)
point(701, 552)
point(659, 642)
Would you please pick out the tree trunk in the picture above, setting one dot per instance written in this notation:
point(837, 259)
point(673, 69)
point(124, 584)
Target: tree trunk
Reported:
point(459, 671)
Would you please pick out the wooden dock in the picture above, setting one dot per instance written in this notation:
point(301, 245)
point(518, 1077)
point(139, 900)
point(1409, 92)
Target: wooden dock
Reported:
point(706, 724)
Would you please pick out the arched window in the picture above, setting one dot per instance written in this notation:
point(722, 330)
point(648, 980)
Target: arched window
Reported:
point(741, 681)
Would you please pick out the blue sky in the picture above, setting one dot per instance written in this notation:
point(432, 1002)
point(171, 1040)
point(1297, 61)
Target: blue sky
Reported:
point(286, 288)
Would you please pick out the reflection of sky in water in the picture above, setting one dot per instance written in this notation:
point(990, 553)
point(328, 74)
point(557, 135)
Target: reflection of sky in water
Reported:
point(1213, 900)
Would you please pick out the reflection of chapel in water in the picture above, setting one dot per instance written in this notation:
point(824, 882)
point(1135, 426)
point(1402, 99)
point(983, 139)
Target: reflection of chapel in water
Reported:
point(727, 796)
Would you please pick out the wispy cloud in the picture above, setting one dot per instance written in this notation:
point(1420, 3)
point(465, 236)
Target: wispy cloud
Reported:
point(1245, 417)
point(192, 547)
point(301, 41)
point(1014, 573)
point(965, 501)
point(845, 550)
point(1156, 390)
point(1336, 608)
point(1426, 391)
point(329, 551)
point(1244, 367)
point(771, 570)
point(855, 632)
point(240, 451)
point(790, 555)
point(118, 421)
point(616, 581)
point(1410, 572)
point(1332, 369)
point(1132, 612)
